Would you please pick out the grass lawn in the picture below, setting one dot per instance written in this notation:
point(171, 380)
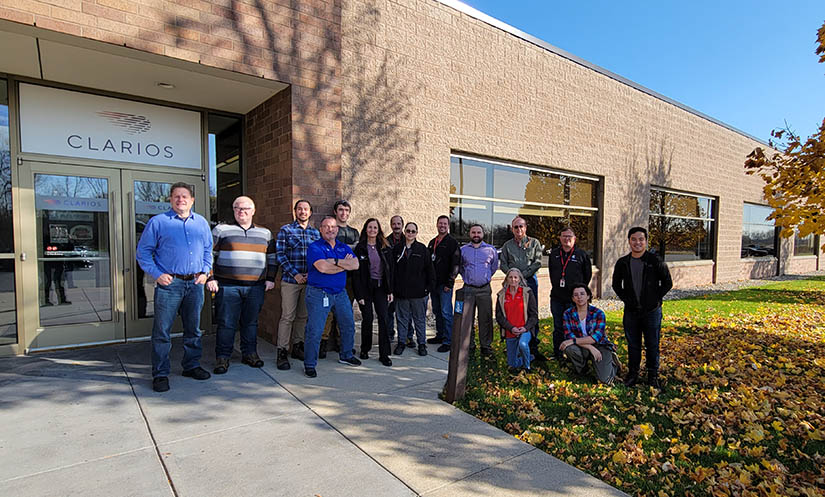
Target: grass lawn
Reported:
point(742, 414)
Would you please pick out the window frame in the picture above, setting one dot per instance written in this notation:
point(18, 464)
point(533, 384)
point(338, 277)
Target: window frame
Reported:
point(712, 218)
point(776, 243)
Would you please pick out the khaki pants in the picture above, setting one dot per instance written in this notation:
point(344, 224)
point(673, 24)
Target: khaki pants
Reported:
point(293, 314)
point(484, 305)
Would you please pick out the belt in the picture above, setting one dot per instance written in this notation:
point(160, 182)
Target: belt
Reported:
point(186, 277)
point(477, 286)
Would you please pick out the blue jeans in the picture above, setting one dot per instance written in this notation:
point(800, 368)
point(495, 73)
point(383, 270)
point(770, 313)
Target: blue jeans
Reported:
point(186, 298)
point(443, 310)
point(412, 312)
point(518, 351)
point(341, 307)
point(639, 325)
point(557, 308)
point(234, 302)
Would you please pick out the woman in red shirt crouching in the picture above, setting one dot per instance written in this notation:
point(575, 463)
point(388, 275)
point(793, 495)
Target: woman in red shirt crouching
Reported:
point(517, 312)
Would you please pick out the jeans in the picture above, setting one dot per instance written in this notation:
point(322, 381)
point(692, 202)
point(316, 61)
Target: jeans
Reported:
point(234, 302)
point(518, 351)
point(639, 325)
point(443, 310)
point(412, 311)
point(186, 298)
point(376, 298)
point(557, 308)
point(341, 307)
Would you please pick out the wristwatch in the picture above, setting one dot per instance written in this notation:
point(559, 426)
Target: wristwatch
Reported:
point(574, 340)
point(336, 261)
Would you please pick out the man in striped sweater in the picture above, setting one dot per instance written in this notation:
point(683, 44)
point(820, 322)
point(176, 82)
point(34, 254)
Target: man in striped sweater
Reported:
point(244, 268)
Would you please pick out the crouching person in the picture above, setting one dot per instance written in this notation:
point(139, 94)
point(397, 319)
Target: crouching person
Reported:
point(585, 339)
point(517, 312)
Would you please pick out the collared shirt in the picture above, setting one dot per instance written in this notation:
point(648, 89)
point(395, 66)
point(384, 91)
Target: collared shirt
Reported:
point(595, 324)
point(478, 265)
point(393, 241)
point(525, 256)
point(320, 249)
point(243, 256)
point(172, 245)
point(291, 249)
point(348, 235)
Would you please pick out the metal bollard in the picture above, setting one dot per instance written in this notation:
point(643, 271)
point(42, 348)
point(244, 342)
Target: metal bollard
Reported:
point(460, 349)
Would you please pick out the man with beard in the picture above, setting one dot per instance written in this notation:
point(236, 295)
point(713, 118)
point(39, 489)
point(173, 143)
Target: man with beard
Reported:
point(479, 262)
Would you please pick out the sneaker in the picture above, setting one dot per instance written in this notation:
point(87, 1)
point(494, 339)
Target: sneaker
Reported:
point(197, 373)
point(399, 349)
point(282, 360)
point(386, 361)
point(160, 384)
point(352, 361)
point(310, 372)
point(443, 348)
point(221, 365)
point(422, 350)
point(410, 343)
point(298, 351)
point(435, 339)
point(252, 360)
point(322, 350)
point(364, 355)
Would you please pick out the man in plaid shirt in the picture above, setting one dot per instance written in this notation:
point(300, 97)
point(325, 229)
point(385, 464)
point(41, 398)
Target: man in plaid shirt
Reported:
point(291, 251)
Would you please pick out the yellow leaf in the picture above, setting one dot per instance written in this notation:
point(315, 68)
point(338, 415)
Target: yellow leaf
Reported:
point(620, 457)
point(777, 425)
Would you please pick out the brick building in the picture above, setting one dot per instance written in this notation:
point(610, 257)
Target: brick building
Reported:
point(415, 107)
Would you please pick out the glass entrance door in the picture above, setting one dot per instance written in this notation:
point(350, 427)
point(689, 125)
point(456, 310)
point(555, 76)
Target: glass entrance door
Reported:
point(82, 282)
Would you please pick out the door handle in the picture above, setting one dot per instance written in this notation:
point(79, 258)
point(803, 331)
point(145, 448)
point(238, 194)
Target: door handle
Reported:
point(22, 257)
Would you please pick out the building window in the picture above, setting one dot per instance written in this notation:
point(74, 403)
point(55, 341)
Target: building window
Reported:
point(681, 225)
point(806, 245)
point(492, 193)
point(225, 173)
point(759, 234)
point(8, 307)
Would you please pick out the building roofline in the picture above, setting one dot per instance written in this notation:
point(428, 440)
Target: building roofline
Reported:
point(492, 21)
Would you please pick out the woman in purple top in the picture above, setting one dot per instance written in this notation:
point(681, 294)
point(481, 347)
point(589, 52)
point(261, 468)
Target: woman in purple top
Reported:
point(372, 286)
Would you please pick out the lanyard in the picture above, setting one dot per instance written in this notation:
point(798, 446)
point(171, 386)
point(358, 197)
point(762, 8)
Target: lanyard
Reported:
point(564, 262)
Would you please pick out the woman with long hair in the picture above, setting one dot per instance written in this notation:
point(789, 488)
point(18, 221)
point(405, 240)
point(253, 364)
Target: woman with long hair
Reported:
point(585, 338)
point(517, 312)
point(372, 286)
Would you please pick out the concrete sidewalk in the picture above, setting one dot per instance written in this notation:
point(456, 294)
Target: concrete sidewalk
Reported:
point(86, 422)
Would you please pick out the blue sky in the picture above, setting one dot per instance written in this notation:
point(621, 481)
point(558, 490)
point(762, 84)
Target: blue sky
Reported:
point(748, 63)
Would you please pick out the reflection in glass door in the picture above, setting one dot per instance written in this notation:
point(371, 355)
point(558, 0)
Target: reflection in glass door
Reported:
point(73, 250)
point(150, 198)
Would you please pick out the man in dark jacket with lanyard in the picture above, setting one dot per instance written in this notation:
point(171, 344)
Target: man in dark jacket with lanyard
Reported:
point(445, 255)
point(567, 265)
point(641, 279)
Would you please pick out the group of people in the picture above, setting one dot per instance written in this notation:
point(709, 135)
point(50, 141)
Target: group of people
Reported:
point(391, 277)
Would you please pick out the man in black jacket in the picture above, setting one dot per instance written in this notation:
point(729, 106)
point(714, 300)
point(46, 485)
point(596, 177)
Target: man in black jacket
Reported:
point(567, 264)
point(641, 279)
point(444, 252)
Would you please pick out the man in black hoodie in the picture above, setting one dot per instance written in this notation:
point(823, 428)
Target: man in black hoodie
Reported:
point(641, 279)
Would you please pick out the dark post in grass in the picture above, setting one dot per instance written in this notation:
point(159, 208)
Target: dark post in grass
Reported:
point(460, 348)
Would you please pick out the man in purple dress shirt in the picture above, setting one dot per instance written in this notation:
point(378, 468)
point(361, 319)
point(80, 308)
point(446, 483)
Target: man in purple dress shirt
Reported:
point(479, 262)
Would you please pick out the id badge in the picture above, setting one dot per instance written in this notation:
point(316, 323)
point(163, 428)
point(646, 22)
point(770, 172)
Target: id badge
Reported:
point(433, 256)
point(561, 283)
point(326, 301)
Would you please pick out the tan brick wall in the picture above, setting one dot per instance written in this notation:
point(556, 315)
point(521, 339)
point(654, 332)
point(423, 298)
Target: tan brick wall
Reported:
point(801, 265)
point(422, 79)
point(691, 275)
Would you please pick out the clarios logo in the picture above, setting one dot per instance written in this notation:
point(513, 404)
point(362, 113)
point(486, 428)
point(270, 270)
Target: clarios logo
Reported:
point(131, 123)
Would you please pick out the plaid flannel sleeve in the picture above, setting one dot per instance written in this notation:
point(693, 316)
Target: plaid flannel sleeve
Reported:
point(569, 324)
point(596, 324)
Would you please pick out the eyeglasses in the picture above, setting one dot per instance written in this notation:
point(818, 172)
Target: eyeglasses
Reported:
point(568, 236)
point(412, 232)
point(519, 226)
point(243, 209)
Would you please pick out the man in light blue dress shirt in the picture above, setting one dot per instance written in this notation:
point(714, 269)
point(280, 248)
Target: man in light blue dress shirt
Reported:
point(479, 262)
point(176, 250)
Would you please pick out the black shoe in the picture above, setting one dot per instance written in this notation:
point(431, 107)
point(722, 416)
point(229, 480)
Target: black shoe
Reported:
point(410, 343)
point(252, 360)
point(487, 352)
point(221, 365)
point(632, 379)
point(386, 361)
point(653, 381)
point(197, 373)
point(282, 360)
point(49, 304)
point(538, 356)
point(352, 361)
point(160, 384)
point(513, 371)
point(443, 348)
point(422, 350)
point(364, 355)
point(310, 372)
point(65, 302)
point(399, 349)
point(435, 339)
point(322, 350)
point(298, 351)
